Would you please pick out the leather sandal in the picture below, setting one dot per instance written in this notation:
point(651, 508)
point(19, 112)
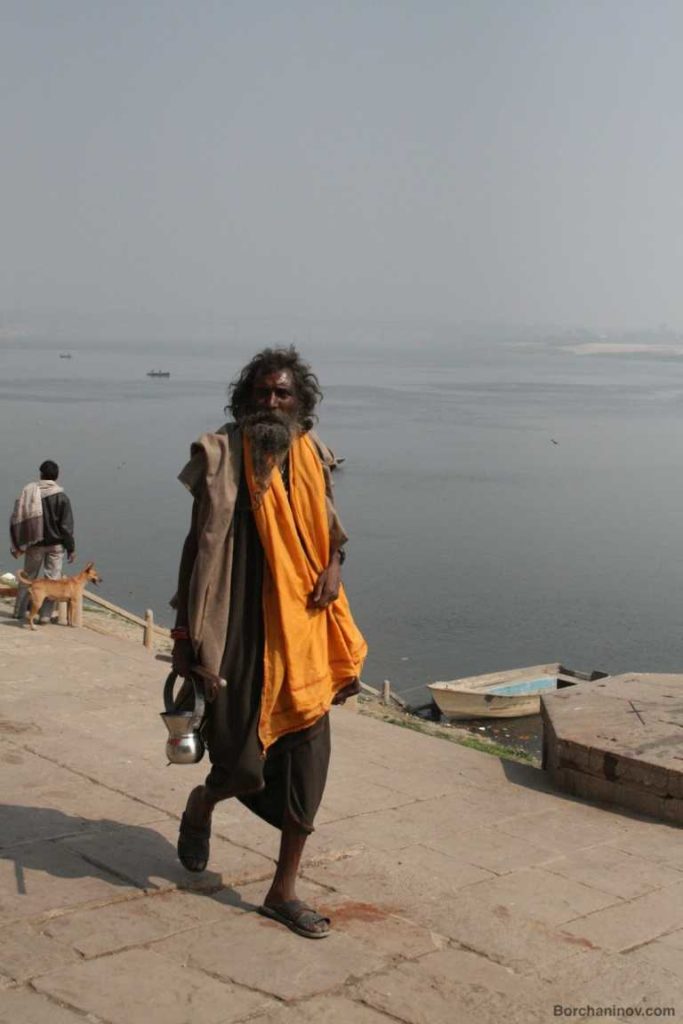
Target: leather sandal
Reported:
point(193, 844)
point(299, 917)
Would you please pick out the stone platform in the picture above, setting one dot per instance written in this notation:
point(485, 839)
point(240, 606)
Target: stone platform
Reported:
point(462, 888)
point(619, 740)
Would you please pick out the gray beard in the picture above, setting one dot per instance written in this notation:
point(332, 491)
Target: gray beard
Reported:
point(270, 437)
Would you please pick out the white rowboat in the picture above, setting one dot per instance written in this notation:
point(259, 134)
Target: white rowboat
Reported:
point(510, 694)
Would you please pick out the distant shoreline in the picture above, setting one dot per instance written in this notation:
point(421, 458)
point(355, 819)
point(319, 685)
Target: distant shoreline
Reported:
point(613, 348)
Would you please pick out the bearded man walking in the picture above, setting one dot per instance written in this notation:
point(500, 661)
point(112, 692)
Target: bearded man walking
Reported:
point(260, 604)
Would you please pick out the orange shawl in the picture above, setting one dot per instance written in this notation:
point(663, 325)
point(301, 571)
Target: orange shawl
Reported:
point(310, 654)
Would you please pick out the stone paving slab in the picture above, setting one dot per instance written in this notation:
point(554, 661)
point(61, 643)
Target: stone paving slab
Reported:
point(389, 935)
point(612, 871)
point(626, 980)
point(342, 801)
point(141, 987)
point(147, 858)
point(41, 878)
point(460, 886)
point(513, 939)
point(661, 844)
point(631, 924)
point(23, 1006)
point(261, 955)
point(372, 876)
point(393, 828)
point(661, 954)
point(385, 931)
point(489, 848)
point(135, 922)
point(328, 1010)
point(673, 939)
point(31, 810)
point(453, 985)
point(446, 871)
point(538, 895)
point(26, 952)
point(430, 786)
point(563, 830)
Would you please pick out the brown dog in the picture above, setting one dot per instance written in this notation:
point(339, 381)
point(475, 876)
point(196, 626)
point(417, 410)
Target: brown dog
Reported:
point(69, 589)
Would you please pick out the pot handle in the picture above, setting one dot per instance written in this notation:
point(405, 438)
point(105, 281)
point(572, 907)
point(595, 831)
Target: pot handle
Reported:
point(168, 692)
point(199, 703)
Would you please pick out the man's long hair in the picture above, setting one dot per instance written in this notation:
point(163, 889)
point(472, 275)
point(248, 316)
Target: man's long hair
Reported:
point(270, 360)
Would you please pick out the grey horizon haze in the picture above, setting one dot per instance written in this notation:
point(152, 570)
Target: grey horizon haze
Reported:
point(169, 168)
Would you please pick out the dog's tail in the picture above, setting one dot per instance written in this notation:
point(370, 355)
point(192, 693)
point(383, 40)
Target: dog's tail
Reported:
point(23, 578)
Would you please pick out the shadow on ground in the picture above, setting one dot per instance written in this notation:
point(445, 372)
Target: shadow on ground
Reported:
point(69, 846)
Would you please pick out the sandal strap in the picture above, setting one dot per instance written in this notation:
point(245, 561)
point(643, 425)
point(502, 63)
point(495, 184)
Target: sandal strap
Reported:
point(300, 913)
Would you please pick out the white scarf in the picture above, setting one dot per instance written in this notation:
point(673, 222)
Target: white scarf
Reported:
point(26, 522)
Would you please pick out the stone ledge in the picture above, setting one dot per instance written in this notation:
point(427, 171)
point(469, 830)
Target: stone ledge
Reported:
point(618, 740)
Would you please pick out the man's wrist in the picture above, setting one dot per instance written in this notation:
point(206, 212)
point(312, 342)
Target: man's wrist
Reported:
point(180, 633)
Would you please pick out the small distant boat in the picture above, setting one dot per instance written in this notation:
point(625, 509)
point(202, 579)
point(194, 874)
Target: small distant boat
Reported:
point(158, 373)
point(510, 694)
point(65, 355)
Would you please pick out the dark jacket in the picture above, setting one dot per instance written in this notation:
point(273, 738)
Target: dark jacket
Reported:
point(58, 522)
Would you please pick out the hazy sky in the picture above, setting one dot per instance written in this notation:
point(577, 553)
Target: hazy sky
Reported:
point(190, 162)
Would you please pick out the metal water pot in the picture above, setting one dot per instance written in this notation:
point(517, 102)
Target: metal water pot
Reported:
point(184, 744)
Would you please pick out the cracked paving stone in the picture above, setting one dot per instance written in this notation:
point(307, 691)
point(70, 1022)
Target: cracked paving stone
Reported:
point(141, 987)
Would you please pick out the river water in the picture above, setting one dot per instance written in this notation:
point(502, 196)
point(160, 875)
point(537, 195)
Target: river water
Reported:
point(508, 505)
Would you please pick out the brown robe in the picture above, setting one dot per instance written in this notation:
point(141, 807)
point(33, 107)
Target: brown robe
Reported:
point(212, 476)
point(219, 601)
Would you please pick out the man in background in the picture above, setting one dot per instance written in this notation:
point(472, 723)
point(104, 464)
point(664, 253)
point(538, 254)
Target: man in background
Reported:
point(42, 529)
point(260, 603)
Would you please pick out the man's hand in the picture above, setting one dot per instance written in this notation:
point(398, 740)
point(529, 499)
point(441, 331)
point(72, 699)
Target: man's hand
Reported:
point(71, 557)
point(352, 689)
point(183, 658)
point(16, 552)
point(326, 589)
point(211, 683)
